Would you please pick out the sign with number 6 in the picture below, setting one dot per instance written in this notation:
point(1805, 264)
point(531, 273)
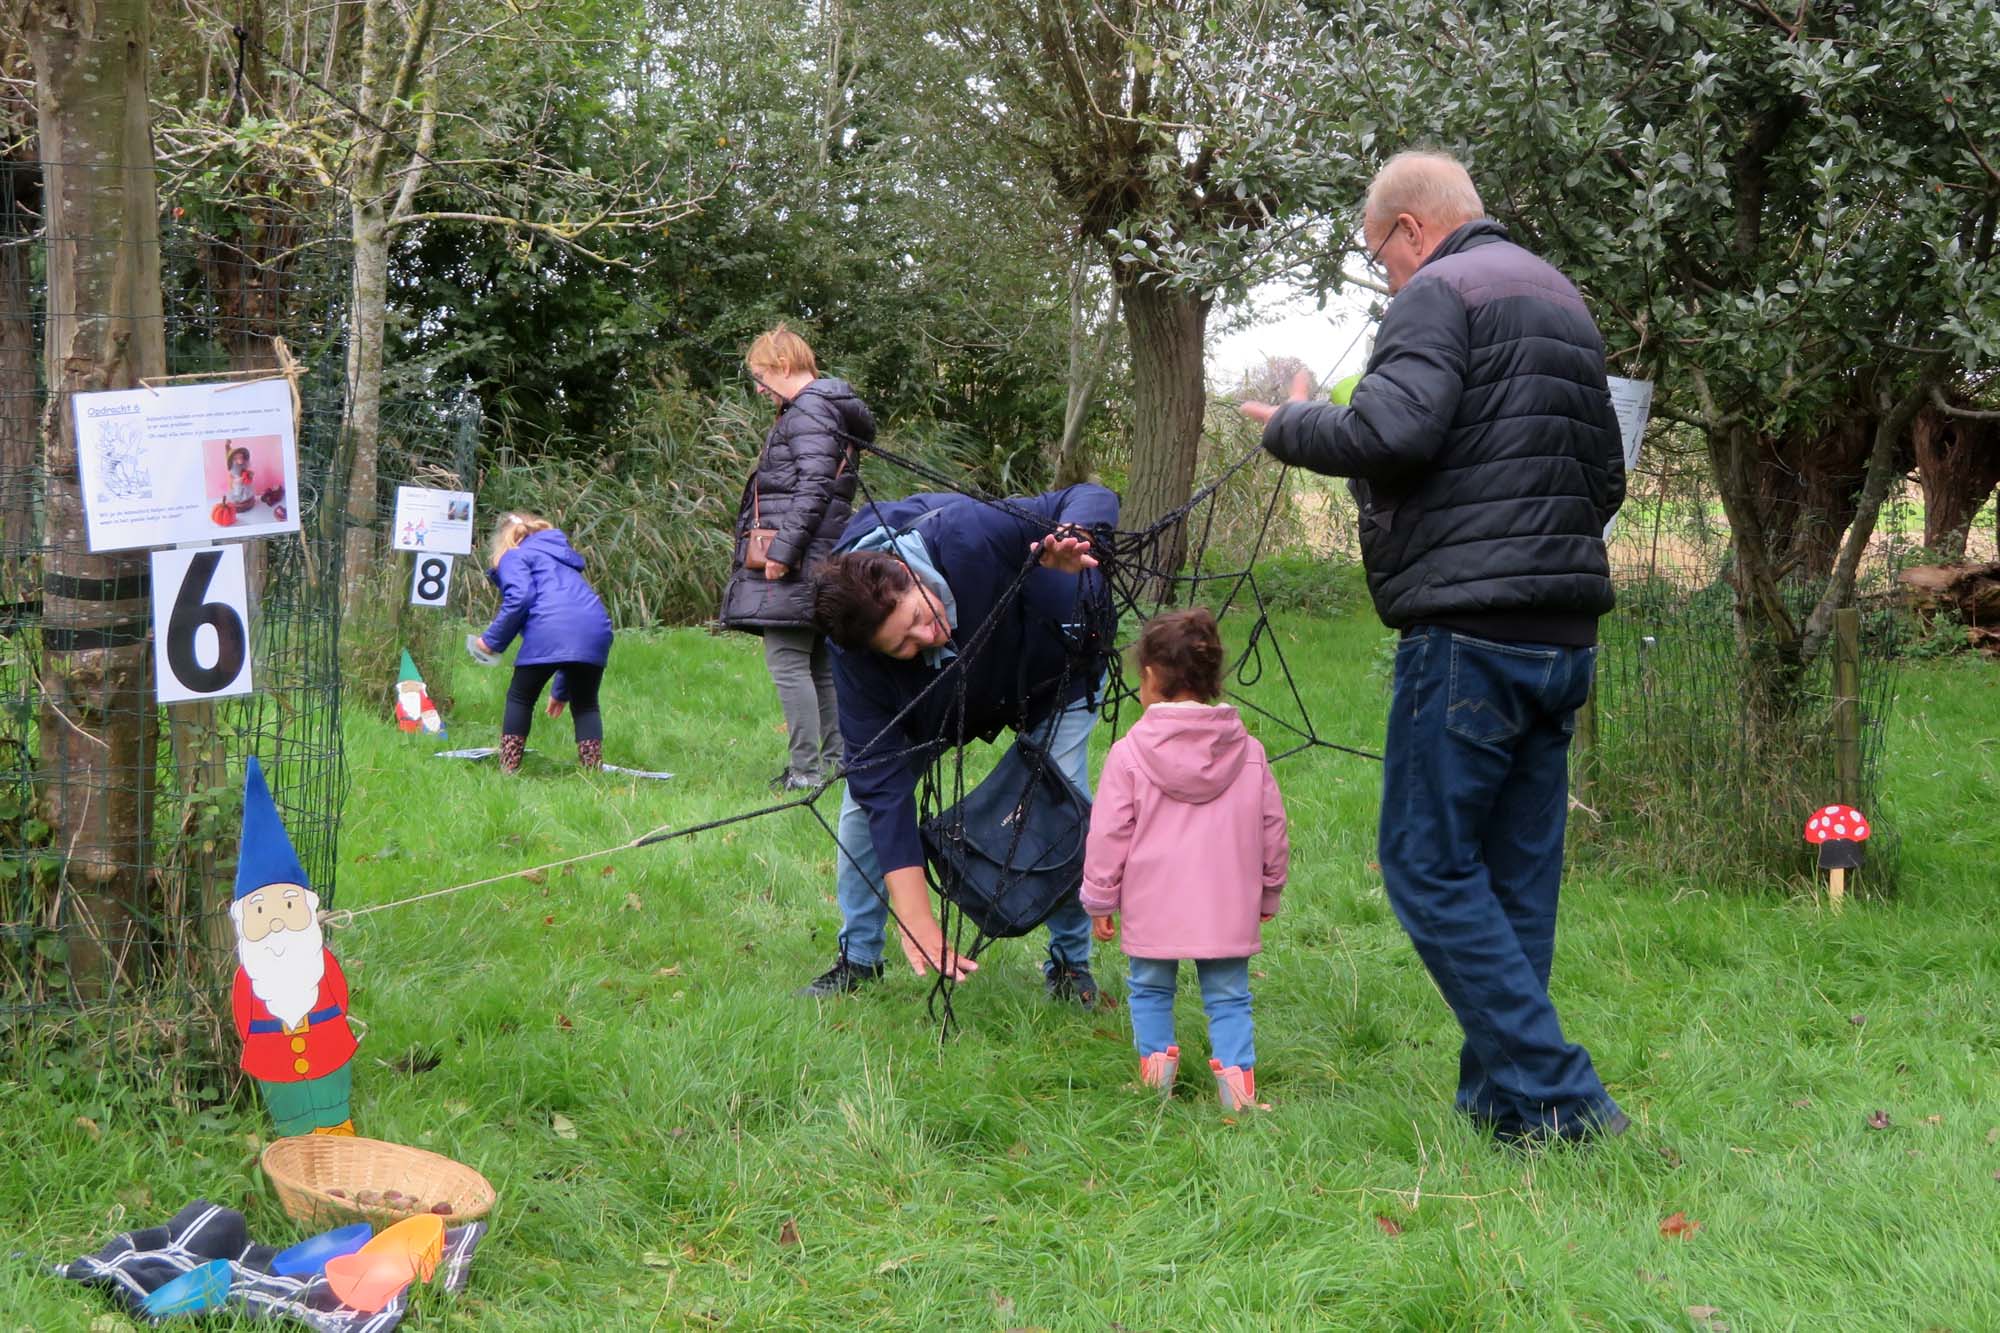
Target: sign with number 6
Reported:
point(201, 624)
point(430, 585)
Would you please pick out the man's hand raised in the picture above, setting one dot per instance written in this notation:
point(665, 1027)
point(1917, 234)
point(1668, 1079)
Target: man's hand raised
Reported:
point(1262, 412)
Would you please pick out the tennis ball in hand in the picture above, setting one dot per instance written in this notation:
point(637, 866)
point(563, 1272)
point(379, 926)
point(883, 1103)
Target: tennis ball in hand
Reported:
point(1342, 391)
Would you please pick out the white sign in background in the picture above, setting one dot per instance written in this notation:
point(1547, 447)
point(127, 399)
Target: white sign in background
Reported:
point(428, 520)
point(187, 463)
point(201, 623)
point(430, 581)
point(1632, 400)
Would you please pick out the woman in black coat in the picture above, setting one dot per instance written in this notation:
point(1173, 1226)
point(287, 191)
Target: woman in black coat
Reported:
point(799, 499)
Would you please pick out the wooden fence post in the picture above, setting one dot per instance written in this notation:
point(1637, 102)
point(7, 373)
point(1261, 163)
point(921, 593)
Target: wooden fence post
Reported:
point(1847, 704)
point(1584, 745)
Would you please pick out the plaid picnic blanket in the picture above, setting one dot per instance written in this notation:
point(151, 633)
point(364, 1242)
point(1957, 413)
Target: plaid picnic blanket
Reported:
point(137, 1263)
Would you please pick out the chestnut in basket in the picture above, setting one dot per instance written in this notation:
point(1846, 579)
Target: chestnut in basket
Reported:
point(441, 1209)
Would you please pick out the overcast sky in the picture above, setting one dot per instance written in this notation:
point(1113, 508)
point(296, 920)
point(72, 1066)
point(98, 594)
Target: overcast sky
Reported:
point(1330, 341)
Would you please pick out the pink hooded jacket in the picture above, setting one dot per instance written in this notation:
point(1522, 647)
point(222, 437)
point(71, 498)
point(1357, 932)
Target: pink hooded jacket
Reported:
point(1187, 836)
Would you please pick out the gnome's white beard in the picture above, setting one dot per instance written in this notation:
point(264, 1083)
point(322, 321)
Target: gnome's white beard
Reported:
point(285, 969)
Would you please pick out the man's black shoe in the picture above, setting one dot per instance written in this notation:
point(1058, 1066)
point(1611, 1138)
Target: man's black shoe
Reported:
point(843, 978)
point(1072, 982)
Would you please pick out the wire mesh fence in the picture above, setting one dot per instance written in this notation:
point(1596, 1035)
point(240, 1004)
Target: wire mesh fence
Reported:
point(1702, 757)
point(430, 442)
point(119, 816)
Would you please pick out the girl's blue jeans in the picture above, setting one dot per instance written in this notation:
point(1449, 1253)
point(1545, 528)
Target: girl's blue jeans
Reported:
point(1225, 996)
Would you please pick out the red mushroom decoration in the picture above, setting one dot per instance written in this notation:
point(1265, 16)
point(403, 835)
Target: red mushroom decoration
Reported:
point(1838, 831)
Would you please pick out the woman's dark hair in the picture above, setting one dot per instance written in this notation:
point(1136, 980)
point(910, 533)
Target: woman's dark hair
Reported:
point(854, 593)
point(1185, 651)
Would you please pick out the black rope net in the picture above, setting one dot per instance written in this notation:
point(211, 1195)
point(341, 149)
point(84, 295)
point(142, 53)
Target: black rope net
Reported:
point(1133, 580)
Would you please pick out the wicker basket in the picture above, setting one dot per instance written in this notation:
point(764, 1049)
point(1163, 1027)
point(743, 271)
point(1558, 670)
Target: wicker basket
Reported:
point(305, 1169)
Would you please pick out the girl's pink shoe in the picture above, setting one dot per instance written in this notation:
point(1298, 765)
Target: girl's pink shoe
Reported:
point(1237, 1087)
point(1158, 1069)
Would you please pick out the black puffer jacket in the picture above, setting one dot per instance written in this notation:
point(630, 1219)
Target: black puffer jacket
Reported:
point(803, 487)
point(1483, 447)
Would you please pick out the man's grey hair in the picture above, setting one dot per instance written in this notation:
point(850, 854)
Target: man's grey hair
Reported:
point(1430, 186)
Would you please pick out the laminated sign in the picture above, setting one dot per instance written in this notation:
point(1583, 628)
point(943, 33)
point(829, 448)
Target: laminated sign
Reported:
point(187, 463)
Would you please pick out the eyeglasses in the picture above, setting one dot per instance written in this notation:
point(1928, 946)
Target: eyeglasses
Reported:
point(1373, 260)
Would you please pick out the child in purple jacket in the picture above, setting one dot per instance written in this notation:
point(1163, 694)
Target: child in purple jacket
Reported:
point(1187, 841)
point(565, 635)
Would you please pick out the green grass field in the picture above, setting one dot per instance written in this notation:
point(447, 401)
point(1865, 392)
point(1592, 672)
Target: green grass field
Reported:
point(678, 1143)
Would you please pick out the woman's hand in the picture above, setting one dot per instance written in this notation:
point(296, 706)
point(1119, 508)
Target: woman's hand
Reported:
point(773, 571)
point(555, 708)
point(483, 646)
point(1067, 550)
point(920, 935)
point(1104, 929)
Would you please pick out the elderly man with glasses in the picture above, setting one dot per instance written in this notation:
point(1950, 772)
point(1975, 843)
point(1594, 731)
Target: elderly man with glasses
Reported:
point(1484, 456)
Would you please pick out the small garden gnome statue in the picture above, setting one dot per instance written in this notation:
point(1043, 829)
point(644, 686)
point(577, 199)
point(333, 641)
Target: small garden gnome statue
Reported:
point(290, 998)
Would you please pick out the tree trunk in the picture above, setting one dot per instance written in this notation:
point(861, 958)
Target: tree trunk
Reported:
point(98, 725)
point(1821, 475)
point(368, 312)
point(1958, 465)
point(388, 77)
point(1089, 353)
point(20, 432)
point(1166, 328)
point(1767, 634)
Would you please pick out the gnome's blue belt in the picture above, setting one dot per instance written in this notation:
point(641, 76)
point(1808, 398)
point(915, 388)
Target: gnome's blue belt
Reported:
point(332, 1011)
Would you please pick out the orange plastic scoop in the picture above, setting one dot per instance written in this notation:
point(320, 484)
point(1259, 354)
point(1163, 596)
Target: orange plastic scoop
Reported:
point(369, 1278)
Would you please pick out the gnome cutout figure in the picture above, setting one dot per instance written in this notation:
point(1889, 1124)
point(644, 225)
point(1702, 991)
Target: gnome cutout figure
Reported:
point(290, 998)
point(414, 709)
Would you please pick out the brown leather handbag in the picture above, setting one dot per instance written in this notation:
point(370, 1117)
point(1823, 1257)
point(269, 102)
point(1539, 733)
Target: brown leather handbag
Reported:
point(757, 541)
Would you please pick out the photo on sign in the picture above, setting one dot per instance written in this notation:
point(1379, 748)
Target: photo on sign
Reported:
point(249, 476)
point(186, 463)
point(433, 520)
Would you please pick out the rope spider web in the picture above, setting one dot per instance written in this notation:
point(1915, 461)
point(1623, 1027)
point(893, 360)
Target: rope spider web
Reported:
point(1137, 583)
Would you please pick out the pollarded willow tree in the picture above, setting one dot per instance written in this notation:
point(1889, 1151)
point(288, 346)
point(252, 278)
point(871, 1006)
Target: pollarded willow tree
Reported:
point(1783, 214)
point(1196, 141)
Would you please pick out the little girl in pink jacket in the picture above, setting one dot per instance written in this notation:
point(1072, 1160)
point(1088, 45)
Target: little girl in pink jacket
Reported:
point(1187, 842)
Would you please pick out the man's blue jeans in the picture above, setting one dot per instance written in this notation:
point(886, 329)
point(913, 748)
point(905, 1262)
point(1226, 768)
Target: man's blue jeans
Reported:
point(1225, 997)
point(1475, 797)
point(864, 909)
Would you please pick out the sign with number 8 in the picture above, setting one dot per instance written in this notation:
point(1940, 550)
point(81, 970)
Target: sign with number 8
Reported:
point(201, 619)
point(431, 584)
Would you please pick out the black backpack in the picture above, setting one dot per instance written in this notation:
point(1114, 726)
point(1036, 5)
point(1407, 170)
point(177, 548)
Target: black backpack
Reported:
point(1011, 852)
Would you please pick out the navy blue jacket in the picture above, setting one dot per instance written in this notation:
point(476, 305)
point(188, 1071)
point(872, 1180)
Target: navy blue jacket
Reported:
point(1037, 639)
point(1483, 446)
point(545, 599)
